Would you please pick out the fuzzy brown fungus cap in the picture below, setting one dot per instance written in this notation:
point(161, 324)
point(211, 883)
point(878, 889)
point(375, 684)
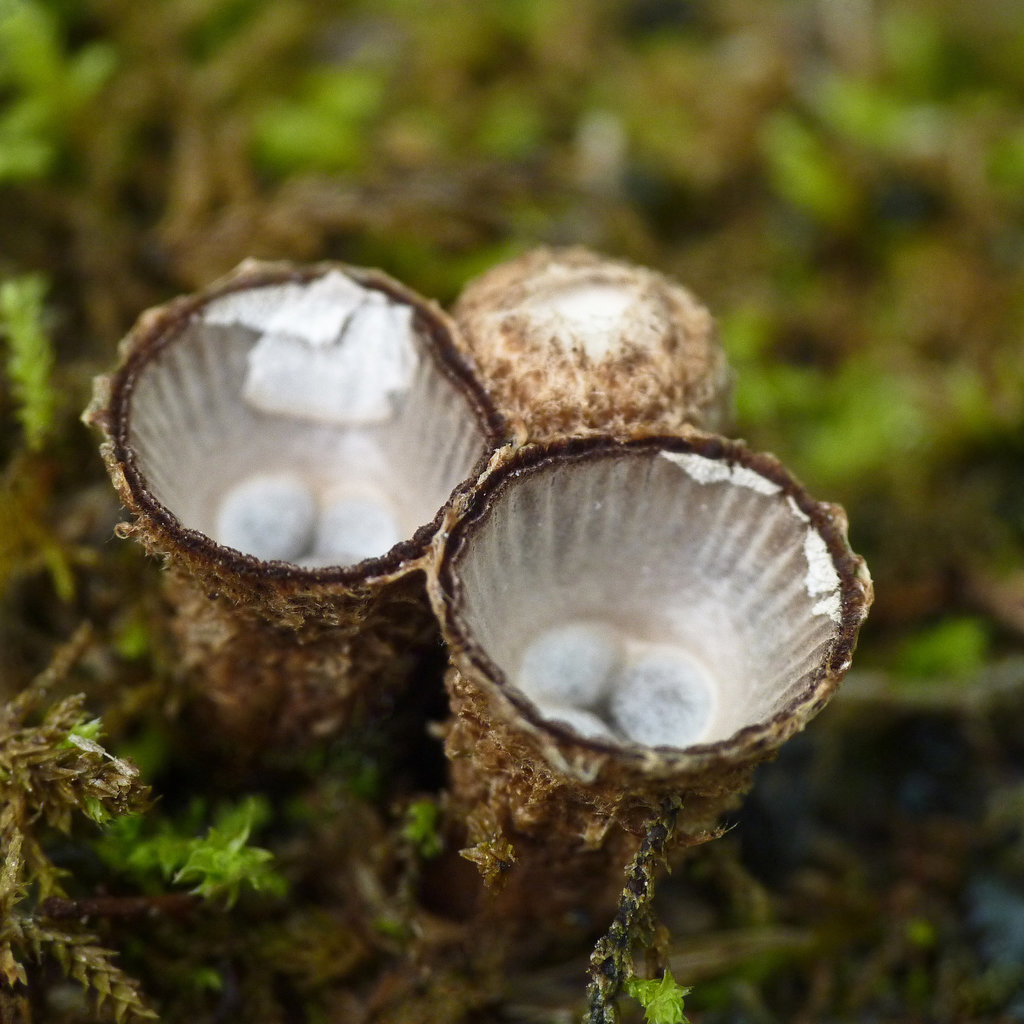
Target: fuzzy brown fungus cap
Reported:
point(292, 430)
point(570, 343)
point(634, 619)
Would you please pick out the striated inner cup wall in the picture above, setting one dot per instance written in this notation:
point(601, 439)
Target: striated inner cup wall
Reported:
point(672, 600)
point(319, 433)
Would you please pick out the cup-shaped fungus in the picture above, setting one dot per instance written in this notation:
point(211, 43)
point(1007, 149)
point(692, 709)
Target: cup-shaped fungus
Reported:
point(569, 343)
point(630, 621)
point(288, 440)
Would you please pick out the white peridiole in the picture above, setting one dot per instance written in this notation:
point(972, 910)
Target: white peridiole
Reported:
point(586, 723)
point(353, 527)
point(663, 697)
point(269, 515)
point(570, 664)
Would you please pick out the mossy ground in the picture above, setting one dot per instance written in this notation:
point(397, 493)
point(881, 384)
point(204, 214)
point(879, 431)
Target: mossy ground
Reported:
point(842, 183)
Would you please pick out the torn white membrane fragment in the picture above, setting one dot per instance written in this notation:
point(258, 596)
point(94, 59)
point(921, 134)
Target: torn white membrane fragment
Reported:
point(330, 350)
point(822, 578)
point(595, 316)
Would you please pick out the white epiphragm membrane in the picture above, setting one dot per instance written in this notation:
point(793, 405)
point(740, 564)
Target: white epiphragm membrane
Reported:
point(350, 376)
point(592, 316)
point(597, 317)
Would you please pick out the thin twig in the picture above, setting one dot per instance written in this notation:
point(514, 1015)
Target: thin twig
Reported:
point(611, 963)
point(57, 908)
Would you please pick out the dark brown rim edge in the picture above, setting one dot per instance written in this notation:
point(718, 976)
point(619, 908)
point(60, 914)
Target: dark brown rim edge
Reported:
point(855, 589)
point(159, 328)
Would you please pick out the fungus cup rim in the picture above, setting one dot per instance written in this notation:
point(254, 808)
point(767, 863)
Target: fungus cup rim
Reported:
point(110, 412)
point(585, 757)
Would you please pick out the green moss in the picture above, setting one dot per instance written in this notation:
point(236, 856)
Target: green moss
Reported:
point(915, 48)
point(875, 118)
point(661, 998)
point(806, 173)
point(422, 819)
point(1006, 161)
point(511, 126)
point(50, 88)
point(325, 126)
point(55, 775)
point(955, 647)
point(922, 933)
point(29, 356)
point(28, 541)
point(132, 640)
point(218, 865)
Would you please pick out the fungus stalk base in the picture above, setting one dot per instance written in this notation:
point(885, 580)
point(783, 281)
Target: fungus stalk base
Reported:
point(260, 682)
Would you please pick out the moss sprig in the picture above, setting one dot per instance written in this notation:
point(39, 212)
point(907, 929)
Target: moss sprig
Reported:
point(612, 961)
point(421, 828)
point(82, 958)
point(28, 541)
point(488, 847)
point(53, 771)
point(661, 998)
point(52, 768)
point(30, 357)
point(218, 865)
point(48, 88)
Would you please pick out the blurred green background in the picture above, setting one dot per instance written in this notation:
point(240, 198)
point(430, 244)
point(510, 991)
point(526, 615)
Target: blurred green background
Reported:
point(842, 183)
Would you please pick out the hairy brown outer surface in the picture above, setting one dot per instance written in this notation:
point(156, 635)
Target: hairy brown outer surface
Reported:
point(267, 683)
point(557, 392)
point(565, 794)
